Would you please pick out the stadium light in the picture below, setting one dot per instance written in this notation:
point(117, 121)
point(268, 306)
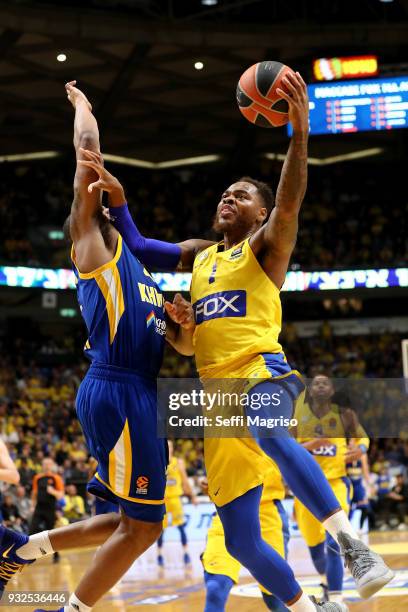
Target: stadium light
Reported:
point(61, 57)
point(209, 2)
point(172, 163)
point(199, 65)
point(29, 156)
point(335, 159)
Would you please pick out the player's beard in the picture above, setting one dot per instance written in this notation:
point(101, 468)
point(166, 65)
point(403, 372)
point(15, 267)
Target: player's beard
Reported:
point(236, 227)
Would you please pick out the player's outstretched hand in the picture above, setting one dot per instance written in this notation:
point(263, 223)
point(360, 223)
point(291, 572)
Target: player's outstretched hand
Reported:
point(107, 182)
point(181, 312)
point(74, 94)
point(354, 453)
point(297, 100)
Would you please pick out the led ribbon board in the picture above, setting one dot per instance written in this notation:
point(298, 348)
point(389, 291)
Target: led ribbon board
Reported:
point(45, 278)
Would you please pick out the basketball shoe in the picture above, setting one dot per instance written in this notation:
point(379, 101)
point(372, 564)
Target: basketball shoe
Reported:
point(329, 606)
point(367, 567)
point(10, 562)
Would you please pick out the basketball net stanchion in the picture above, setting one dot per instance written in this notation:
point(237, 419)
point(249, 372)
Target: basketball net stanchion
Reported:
point(404, 348)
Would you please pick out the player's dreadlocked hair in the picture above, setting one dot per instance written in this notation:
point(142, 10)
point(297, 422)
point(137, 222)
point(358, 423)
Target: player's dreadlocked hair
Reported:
point(264, 191)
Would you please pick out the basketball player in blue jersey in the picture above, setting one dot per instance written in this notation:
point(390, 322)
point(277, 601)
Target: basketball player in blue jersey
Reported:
point(235, 290)
point(116, 403)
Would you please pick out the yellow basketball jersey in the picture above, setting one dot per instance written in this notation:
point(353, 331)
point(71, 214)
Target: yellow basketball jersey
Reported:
point(331, 457)
point(237, 308)
point(173, 485)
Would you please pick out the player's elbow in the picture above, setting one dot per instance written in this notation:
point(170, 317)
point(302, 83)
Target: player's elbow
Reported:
point(88, 140)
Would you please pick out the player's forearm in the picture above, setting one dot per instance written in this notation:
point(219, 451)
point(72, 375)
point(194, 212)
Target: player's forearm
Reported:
point(9, 475)
point(86, 133)
point(293, 181)
point(180, 338)
point(155, 253)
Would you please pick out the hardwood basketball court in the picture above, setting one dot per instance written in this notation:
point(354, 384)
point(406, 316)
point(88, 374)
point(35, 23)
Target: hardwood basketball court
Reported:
point(147, 587)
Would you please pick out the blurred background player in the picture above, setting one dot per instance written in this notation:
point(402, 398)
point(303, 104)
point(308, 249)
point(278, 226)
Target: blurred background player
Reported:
point(359, 473)
point(323, 429)
point(221, 570)
point(177, 484)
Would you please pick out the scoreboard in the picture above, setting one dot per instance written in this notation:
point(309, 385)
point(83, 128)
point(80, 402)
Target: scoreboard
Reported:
point(358, 105)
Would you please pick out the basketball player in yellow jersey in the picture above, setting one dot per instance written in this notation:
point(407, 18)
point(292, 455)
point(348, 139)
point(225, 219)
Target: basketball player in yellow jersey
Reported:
point(235, 293)
point(177, 484)
point(324, 431)
point(221, 571)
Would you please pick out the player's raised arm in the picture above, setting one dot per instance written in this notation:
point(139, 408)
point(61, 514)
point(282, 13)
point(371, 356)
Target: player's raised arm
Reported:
point(278, 236)
point(154, 253)
point(93, 248)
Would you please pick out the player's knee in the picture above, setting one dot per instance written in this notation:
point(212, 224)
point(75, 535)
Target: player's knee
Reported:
point(237, 547)
point(135, 530)
point(215, 595)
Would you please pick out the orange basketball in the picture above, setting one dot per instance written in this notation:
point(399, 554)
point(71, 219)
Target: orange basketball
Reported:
point(256, 94)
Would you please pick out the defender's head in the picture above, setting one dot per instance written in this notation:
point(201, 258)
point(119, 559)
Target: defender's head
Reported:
point(103, 222)
point(321, 388)
point(244, 206)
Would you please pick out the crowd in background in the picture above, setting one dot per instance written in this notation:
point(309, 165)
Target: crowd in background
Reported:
point(38, 420)
point(348, 217)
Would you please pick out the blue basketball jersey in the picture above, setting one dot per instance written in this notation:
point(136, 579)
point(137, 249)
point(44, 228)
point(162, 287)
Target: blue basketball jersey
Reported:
point(124, 313)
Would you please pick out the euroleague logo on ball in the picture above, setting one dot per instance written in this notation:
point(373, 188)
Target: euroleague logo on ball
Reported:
point(257, 98)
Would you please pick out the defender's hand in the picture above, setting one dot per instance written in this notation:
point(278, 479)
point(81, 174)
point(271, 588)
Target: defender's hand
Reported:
point(107, 182)
point(74, 95)
point(354, 453)
point(297, 100)
point(181, 312)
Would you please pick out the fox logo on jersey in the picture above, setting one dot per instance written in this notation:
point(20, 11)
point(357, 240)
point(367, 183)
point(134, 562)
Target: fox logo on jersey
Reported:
point(221, 304)
point(325, 451)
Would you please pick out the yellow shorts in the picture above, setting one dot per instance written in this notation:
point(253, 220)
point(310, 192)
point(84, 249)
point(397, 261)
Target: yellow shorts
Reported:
point(274, 526)
point(236, 465)
point(311, 529)
point(174, 512)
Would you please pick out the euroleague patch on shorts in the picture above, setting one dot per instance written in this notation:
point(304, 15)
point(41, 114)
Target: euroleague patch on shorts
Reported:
point(221, 304)
point(142, 484)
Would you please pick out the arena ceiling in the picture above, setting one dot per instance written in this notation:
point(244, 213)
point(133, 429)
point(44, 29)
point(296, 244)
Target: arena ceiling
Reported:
point(135, 61)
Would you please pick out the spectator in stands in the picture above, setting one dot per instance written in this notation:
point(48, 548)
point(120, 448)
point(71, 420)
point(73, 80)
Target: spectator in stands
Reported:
point(397, 502)
point(9, 511)
point(74, 509)
point(24, 506)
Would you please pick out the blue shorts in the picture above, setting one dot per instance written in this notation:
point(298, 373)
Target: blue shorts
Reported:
point(117, 410)
point(359, 493)
point(102, 506)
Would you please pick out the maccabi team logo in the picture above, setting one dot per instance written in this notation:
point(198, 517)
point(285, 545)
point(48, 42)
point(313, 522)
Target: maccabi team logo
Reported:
point(142, 484)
